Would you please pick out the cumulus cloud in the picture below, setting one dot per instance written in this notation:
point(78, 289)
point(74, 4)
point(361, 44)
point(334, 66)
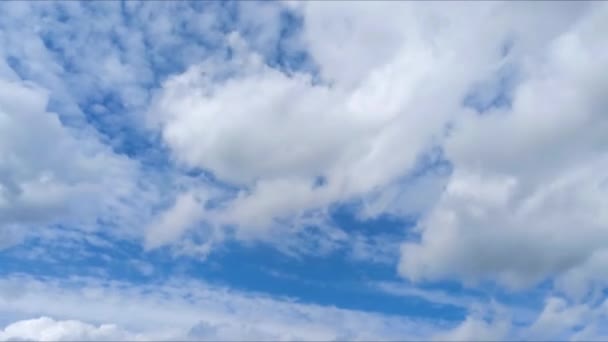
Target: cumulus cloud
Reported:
point(557, 320)
point(363, 123)
point(48, 329)
point(270, 131)
point(509, 95)
point(527, 199)
point(49, 173)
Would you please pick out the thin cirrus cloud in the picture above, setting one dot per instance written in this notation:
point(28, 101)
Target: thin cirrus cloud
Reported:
point(187, 130)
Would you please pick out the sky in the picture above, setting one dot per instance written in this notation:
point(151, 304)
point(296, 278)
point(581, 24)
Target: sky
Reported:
point(303, 170)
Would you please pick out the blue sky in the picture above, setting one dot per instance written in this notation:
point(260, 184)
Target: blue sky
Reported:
point(303, 171)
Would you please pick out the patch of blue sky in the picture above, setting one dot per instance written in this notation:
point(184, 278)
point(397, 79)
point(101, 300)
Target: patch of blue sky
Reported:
point(431, 166)
point(288, 57)
point(17, 66)
point(333, 280)
point(69, 112)
point(434, 160)
point(497, 91)
point(109, 116)
point(345, 216)
point(80, 255)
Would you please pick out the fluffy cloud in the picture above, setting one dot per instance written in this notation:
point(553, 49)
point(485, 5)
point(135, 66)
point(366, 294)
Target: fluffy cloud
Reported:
point(364, 121)
point(48, 329)
point(563, 320)
point(63, 136)
point(48, 172)
point(516, 108)
point(270, 131)
point(557, 319)
point(527, 200)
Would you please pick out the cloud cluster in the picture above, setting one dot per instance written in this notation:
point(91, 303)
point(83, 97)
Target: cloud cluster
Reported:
point(50, 174)
point(185, 128)
point(518, 116)
point(528, 198)
point(48, 329)
point(329, 138)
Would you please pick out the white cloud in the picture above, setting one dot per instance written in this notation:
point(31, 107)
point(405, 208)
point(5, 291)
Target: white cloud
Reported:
point(182, 309)
point(377, 111)
point(50, 173)
point(172, 224)
point(557, 318)
point(527, 200)
point(433, 296)
point(563, 320)
point(473, 329)
point(48, 329)
point(587, 281)
point(276, 133)
point(66, 166)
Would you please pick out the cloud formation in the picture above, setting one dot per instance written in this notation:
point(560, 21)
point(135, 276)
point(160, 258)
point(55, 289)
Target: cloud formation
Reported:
point(527, 200)
point(181, 309)
point(50, 174)
point(479, 127)
point(48, 329)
